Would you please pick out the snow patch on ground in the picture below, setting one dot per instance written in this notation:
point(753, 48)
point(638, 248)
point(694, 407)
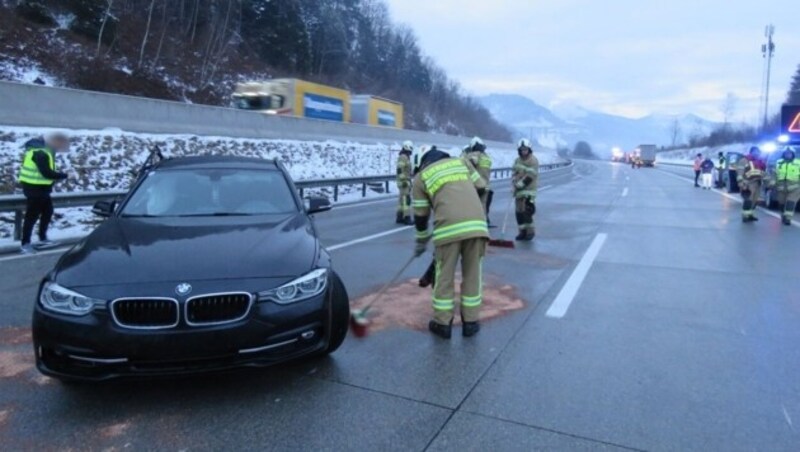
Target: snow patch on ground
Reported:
point(108, 159)
point(25, 71)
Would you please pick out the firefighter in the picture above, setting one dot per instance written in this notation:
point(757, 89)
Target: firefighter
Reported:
point(526, 175)
point(787, 184)
point(750, 178)
point(450, 188)
point(404, 178)
point(37, 174)
point(476, 152)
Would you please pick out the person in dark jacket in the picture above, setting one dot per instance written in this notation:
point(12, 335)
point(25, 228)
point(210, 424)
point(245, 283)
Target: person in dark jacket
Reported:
point(707, 168)
point(37, 175)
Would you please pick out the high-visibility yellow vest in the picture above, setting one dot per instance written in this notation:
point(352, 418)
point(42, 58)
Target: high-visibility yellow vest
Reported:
point(788, 171)
point(29, 173)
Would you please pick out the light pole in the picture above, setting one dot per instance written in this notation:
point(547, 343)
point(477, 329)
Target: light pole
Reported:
point(767, 51)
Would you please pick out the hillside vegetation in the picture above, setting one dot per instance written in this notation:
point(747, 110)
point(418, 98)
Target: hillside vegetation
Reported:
point(195, 50)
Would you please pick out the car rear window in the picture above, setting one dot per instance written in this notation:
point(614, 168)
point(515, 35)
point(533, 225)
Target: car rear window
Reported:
point(211, 192)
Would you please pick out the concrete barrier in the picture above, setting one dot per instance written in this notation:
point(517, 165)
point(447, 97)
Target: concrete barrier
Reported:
point(41, 106)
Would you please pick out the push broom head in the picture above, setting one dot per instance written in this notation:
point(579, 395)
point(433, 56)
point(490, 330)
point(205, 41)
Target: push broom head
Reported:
point(500, 243)
point(359, 323)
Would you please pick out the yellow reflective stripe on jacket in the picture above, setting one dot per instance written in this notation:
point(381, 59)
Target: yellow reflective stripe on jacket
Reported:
point(526, 169)
point(465, 227)
point(484, 161)
point(420, 203)
point(29, 173)
point(439, 175)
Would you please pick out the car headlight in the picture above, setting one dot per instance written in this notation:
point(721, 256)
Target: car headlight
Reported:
point(62, 300)
point(302, 288)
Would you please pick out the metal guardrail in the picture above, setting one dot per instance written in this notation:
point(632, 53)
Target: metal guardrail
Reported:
point(16, 202)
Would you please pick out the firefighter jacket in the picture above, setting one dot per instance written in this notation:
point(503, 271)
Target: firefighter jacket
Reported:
point(404, 171)
point(526, 177)
point(751, 169)
point(449, 188)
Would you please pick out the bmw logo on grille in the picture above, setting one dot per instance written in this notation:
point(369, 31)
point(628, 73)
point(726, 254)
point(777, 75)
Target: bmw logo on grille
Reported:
point(183, 289)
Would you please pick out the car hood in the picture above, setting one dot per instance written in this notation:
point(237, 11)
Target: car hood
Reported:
point(145, 250)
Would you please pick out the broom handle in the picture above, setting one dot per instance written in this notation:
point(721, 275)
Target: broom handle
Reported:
point(388, 284)
point(505, 218)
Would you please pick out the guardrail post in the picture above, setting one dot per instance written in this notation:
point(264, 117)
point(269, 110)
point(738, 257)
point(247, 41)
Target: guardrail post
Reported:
point(335, 193)
point(387, 187)
point(364, 190)
point(17, 225)
point(302, 192)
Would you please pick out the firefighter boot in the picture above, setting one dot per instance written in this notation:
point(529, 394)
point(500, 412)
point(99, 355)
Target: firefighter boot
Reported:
point(521, 221)
point(469, 329)
point(400, 219)
point(443, 331)
point(408, 221)
point(429, 278)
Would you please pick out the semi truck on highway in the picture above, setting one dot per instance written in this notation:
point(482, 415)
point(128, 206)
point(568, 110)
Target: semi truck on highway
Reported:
point(647, 154)
point(303, 99)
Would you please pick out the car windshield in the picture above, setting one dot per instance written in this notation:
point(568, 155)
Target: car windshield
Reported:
point(211, 192)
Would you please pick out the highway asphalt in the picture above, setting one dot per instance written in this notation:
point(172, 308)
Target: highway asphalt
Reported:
point(653, 319)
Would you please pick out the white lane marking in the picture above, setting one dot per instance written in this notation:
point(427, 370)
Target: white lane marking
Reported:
point(561, 304)
point(38, 253)
point(367, 238)
point(787, 417)
point(625, 192)
point(795, 223)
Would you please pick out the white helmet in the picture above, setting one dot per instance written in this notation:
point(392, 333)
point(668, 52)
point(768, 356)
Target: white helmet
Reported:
point(476, 144)
point(408, 146)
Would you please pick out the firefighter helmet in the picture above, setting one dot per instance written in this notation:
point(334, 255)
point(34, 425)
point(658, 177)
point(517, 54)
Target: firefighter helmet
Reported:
point(476, 144)
point(524, 144)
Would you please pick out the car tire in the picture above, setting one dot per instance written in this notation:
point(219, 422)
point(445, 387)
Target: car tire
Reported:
point(340, 315)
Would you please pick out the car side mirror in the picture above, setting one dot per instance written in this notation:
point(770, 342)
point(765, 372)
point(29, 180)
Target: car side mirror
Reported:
point(317, 204)
point(104, 208)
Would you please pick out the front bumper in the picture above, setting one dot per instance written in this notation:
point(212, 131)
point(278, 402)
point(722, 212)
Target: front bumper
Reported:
point(93, 347)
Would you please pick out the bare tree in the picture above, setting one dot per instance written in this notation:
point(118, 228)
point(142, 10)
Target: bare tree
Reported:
point(675, 132)
point(106, 16)
point(146, 32)
point(728, 108)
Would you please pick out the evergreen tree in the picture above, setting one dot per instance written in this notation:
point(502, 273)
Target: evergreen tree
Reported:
point(794, 90)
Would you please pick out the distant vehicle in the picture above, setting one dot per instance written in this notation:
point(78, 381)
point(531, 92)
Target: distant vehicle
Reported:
point(294, 97)
point(209, 263)
point(376, 111)
point(304, 99)
point(729, 176)
point(617, 155)
point(647, 154)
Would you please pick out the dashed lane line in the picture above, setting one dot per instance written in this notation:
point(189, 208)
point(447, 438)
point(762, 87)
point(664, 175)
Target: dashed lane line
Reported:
point(558, 309)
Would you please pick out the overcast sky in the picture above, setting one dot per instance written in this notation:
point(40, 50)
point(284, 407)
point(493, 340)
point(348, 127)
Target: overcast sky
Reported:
point(628, 57)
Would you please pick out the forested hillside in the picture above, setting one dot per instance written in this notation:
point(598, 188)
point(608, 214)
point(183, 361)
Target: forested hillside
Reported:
point(195, 50)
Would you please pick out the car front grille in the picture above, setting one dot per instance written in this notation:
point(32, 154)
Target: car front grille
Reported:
point(145, 313)
point(218, 308)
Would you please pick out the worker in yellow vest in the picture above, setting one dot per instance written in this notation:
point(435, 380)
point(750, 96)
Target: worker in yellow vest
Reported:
point(786, 183)
point(37, 174)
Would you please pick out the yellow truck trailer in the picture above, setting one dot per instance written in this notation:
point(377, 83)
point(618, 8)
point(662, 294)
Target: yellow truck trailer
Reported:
point(294, 97)
point(376, 111)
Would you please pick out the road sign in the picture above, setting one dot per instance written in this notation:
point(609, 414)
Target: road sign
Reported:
point(790, 116)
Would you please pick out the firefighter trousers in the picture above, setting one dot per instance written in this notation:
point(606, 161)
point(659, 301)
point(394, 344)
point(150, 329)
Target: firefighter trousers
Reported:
point(525, 207)
point(470, 252)
point(404, 200)
point(751, 193)
point(789, 197)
